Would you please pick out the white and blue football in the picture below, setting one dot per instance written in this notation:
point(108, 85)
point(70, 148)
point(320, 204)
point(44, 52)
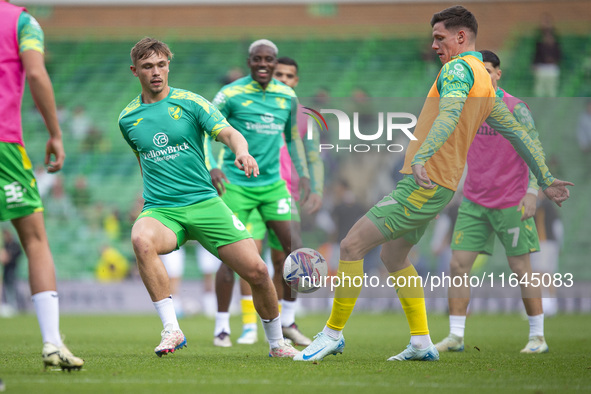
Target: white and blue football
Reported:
point(305, 270)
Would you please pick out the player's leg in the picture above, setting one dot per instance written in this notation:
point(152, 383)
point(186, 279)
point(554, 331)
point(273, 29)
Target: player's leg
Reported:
point(362, 237)
point(281, 214)
point(410, 292)
point(520, 238)
point(545, 264)
point(458, 298)
point(403, 217)
point(150, 237)
point(21, 203)
point(240, 202)
point(472, 234)
point(243, 257)
point(532, 300)
point(224, 235)
point(405, 212)
point(33, 238)
point(224, 284)
point(288, 302)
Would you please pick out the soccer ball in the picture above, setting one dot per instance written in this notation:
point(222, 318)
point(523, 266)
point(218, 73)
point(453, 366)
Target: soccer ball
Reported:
point(305, 270)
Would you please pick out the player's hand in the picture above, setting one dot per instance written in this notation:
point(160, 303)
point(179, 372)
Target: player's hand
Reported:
point(558, 192)
point(527, 206)
point(247, 163)
point(217, 179)
point(54, 147)
point(421, 178)
point(313, 204)
point(304, 189)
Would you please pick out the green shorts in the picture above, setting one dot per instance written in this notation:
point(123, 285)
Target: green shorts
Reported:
point(476, 227)
point(407, 211)
point(255, 225)
point(272, 201)
point(19, 195)
point(209, 222)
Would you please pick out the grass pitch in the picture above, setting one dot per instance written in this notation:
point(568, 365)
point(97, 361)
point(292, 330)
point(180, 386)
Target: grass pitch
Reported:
point(119, 358)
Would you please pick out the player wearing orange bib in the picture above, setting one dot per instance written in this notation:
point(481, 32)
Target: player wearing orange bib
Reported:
point(460, 100)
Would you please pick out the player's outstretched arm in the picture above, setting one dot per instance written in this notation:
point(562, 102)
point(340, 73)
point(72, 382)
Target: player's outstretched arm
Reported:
point(502, 120)
point(42, 92)
point(238, 145)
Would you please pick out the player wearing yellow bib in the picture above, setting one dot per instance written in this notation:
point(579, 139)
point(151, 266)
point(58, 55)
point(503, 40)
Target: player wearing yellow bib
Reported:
point(165, 128)
point(459, 101)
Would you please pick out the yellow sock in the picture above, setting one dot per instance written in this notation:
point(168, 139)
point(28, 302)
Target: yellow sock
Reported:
point(346, 294)
point(412, 297)
point(249, 314)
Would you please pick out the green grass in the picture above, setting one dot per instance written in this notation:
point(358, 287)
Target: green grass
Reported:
point(119, 358)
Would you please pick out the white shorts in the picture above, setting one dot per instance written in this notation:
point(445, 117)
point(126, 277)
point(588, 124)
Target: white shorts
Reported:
point(174, 262)
point(208, 263)
point(546, 260)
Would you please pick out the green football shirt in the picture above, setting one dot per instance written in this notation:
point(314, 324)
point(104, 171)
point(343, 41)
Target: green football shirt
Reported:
point(167, 136)
point(261, 116)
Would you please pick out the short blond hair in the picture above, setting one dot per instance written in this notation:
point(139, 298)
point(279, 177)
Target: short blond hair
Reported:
point(263, 43)
point(148, 46)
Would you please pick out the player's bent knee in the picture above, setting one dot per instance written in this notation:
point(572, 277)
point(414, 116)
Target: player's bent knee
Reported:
point(258, 275)
point(142, 242)
point(350, 248)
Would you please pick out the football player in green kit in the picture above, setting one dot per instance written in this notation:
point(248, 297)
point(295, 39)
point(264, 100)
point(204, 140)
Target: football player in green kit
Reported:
point(165, 127)
point(263, 110)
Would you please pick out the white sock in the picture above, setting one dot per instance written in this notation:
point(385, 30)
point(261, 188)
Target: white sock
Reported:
point(288, 310)
point(48, 314)
point(273, 331)
point(222, 323)
point(334, 334)
point(536, 325)
point(420, 341)
point(165, 309)
point(457, 324)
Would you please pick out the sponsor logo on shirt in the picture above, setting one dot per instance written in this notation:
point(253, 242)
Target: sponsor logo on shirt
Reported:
point(267, 117)
point(160, 140)
point(267, 126)
point(167, 152)
point(458, 71)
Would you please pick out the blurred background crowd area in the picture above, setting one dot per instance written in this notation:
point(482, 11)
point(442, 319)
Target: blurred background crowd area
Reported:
point(348, 52)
